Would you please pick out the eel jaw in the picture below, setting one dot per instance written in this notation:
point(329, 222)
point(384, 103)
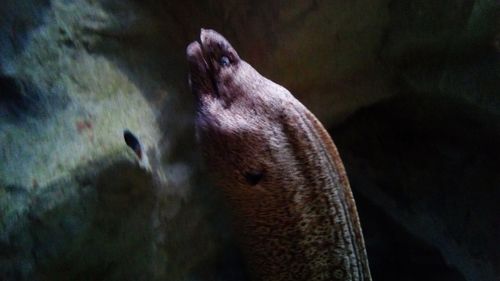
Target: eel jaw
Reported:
point(199, 73)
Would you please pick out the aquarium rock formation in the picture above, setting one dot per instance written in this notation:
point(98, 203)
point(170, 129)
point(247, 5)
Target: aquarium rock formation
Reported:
point(408, 90)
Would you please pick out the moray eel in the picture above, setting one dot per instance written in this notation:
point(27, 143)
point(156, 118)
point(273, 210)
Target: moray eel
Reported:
point(278, 168)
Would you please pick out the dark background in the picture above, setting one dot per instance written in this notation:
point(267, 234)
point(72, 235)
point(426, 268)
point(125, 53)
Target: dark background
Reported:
point(408, 90)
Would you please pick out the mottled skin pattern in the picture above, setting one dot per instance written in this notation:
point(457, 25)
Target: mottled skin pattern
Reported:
point(279, 169)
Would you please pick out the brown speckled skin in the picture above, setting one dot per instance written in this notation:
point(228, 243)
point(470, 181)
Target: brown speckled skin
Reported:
point(279, 169)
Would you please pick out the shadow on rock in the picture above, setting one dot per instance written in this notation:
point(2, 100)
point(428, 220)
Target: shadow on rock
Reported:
point(117, 243)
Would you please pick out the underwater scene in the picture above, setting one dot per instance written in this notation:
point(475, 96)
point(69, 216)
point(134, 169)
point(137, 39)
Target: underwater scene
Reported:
point(204, 140)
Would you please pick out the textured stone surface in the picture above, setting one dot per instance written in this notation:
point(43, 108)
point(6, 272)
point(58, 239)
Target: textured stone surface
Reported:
point(409, 89)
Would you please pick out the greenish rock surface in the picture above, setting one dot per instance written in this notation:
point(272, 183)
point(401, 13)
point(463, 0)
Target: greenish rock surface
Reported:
point(409, 89)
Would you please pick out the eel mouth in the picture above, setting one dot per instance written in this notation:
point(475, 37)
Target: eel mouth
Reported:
point(201, 78)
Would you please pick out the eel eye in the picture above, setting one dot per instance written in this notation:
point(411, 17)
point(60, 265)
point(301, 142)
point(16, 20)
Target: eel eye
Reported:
point(253, 178)
point(224, 61)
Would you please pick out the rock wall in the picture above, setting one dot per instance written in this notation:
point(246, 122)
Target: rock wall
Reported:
point(409, 90)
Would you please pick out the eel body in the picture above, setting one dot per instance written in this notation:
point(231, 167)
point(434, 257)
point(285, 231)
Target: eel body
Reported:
point(278, 169)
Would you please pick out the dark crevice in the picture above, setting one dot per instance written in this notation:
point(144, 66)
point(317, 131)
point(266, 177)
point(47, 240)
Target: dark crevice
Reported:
point(433, 159)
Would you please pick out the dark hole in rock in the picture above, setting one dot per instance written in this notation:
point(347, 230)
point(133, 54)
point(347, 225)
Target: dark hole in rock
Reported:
point(21, 98)
point(133, 142)
point(18, 98)
point(12, 100)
